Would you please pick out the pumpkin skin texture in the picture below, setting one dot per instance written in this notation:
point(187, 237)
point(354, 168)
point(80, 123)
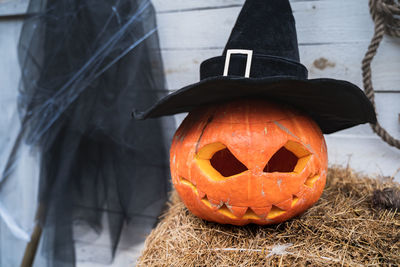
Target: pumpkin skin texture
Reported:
point(248, 161)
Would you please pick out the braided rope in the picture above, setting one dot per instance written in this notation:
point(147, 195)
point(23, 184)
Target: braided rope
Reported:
point(386, 17)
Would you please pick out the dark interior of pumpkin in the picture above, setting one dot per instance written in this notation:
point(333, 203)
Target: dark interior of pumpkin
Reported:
point(226, 163)
point(282, 161)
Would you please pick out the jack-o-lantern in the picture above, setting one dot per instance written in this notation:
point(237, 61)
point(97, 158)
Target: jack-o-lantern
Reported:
point(248, 161)
point(253, 161)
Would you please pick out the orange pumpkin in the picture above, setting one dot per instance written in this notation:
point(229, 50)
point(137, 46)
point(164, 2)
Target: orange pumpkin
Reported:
point(248, 161)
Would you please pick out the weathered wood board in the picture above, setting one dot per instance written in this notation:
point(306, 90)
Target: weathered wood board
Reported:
point(13, 7)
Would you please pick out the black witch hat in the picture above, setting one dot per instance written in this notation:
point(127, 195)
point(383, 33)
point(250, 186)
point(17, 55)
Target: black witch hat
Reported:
point(261, 59)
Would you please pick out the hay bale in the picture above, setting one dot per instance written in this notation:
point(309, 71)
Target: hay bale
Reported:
point(343, 228)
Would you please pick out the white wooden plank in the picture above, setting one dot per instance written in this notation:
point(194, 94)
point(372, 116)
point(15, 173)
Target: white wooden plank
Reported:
point(186, 5)
point(11, 248)
point(318, 22)
point(9, 78)
point(388, 109)
point(163, 6)
point(9, 69)
point(19, 7)
point(338, 61)
point(13, 7)
point(182, 67)
point(343, 61)
point(363, 154)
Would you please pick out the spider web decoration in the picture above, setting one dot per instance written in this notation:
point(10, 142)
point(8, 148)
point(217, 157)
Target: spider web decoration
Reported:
point(84, 65)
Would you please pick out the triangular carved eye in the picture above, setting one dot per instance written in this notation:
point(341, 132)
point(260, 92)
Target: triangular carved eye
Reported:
point(226, 163)
point(218, 162)
point(282, 161)
point(292, 157)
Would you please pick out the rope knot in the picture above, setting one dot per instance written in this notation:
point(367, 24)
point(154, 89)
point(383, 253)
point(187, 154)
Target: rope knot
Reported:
point(386, 12)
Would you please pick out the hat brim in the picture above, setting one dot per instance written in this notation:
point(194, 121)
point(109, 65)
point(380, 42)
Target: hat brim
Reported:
point(334, 104)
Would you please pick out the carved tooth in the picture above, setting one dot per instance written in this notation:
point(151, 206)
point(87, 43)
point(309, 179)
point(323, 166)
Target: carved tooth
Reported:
point(227, 212)
point(201, 193)
point(215, 205)
point(261, 212)
point(228, 206)
point(238, 211)
point(285, 205)
point(250, 214)
point(275, 212)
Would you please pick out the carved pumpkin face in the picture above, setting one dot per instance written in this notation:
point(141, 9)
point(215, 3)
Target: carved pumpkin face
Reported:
point(248, 161)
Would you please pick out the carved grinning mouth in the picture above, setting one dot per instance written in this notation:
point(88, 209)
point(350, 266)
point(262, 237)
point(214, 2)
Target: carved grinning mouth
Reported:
point(237, 212)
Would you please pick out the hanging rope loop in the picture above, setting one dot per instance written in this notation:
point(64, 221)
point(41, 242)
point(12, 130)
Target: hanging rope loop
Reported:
point(386, 17)
point(387, 11)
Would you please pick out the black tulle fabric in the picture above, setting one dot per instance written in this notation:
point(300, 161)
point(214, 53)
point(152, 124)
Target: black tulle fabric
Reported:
point(85, 64)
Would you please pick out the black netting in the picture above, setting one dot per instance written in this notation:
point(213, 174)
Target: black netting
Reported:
point(84, 65)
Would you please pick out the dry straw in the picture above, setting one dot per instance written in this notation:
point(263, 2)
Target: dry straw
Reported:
point(346, 227)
